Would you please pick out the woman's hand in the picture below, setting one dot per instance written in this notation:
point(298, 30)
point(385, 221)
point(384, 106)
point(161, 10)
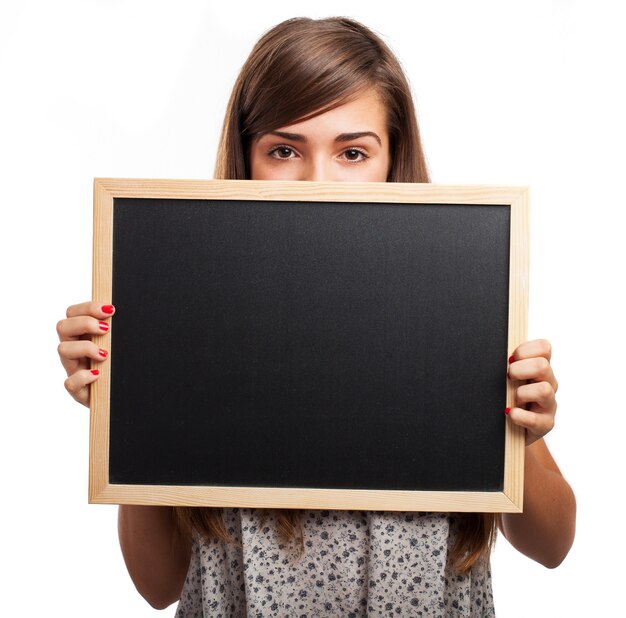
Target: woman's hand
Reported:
point(535, 402)
point(545, 530)
point(76, 348)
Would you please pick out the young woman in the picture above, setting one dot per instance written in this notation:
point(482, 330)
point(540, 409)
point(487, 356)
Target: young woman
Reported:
point(327, 100)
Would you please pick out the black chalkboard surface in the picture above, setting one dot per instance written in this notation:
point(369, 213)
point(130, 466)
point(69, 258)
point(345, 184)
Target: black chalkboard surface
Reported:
point(301, 344)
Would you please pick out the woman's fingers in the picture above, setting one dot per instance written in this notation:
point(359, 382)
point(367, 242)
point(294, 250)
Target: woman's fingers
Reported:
point(83, 348)
point(535, 399)
point(532, 349)
point(537, 424)
point(77, 384)
point(540, 393)
point(74, 328)
point(76, 355)
point(76, 350)
point(536, 369)
point(94, 309)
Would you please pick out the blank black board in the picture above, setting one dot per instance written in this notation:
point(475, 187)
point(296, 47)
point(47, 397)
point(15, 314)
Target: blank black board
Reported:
point(309, 344)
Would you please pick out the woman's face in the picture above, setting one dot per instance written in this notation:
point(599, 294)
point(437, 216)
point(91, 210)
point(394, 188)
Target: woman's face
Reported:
point(348, 143)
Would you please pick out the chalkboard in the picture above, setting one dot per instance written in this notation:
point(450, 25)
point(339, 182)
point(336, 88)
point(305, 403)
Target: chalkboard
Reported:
point(311, 345)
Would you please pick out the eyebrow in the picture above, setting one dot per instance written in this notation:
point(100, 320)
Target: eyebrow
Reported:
point(342, 137)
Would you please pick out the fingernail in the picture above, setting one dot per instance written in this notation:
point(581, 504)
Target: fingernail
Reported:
point(511, 359)
point(507, 410)
point(95, 372)
point(103, 326)
point(102, 352)
point(108, 309)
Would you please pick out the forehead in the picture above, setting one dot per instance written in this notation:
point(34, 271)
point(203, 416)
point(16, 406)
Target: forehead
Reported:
point(365, 110)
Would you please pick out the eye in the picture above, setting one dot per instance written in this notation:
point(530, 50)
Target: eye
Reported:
point(355, 155)
point(282, 152)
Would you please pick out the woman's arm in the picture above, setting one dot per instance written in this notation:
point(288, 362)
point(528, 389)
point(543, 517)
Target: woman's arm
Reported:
point(545, 530)
point(156, 555)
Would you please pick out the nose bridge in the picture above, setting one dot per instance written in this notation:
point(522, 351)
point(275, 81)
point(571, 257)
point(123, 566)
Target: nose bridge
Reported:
point(319, 168)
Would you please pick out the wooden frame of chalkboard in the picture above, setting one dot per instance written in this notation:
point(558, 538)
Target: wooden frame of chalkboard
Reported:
point(308, 345)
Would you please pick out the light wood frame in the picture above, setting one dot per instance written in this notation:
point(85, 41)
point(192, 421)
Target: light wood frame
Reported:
point(102, 492)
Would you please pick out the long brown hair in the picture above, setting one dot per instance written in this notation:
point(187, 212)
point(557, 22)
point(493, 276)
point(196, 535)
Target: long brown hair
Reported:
point(299, 69)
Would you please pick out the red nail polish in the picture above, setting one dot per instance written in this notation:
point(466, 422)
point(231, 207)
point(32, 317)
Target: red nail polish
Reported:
point(511, 359)
point(103, 326)
point(507, 410)
point(102, 352)
point(95, 372)
point(108, 309)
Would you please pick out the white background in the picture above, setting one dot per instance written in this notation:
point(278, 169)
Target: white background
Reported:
point(507, 93)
